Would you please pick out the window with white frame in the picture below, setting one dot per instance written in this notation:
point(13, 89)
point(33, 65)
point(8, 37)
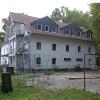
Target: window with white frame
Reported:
point(67, 31)
point(47, 28)
point(39, 27)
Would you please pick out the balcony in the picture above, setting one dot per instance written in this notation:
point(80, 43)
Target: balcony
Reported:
point(11, 50)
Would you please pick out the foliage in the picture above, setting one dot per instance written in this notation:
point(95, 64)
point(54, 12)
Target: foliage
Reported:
point(95, 11)
point(1, 37)
point(77, 68)
point(71, 16)
point(55, 68)
point(5, 23)
point(22, 92)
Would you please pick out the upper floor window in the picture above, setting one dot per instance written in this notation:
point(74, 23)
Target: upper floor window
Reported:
point(38, 45)
point(88, 35)
point(67, 31)
point(67, 48)
point(89, 50)
point(79, 59)
point(39, 26)
point(72, 32)
point(46, 28)
point(79, 48)
point(89, 61)
point(78, 33)
point(54, 47)
point(54, 30)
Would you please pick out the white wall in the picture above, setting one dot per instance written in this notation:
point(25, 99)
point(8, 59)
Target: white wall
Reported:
point(4, 51)
point(60, 53)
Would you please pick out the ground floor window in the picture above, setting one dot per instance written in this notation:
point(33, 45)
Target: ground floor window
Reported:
point(89, 61)
point(53, 60)
point(79, 59)
point(38, 60)
point(67, 59)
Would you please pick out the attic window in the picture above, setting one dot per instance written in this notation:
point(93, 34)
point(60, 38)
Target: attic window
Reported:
point(46, 28)
point(67, 31)
point(39, 27)
point(78, 33)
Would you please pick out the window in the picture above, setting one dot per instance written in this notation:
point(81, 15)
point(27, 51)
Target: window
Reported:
point(79, 48)
point(53, 60)
point(72, 32)
point(78, 33)
point(54, 30)
point(88, 35)
point(79, 59)
point(46, 28)
point(26, 46)
point(67, 59)
point(67, 31)
point(89, 50)
point(39, 27)
point(67, 48)
point(11, 60)
point(89, 61)
point(54, 47)
point(38, 45)
point(38, 60)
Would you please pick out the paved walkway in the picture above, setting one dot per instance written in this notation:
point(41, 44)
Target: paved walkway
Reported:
point(68, 80)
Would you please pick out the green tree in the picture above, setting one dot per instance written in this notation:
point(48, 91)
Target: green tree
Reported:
point(71, 16)
point(56, 14)
point(95, 12)
point(1, 37)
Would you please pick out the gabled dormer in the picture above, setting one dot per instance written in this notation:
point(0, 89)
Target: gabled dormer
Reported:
point(87, 34)
point(45, 24)
point(71, 29)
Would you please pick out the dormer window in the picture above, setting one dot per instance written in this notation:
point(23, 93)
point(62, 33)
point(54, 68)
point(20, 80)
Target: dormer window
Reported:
point(78, 33)
point(72, 32)
point(39, 26)
point(67, 31)
point(54, 30)
point(46, 28)
point(88, 35)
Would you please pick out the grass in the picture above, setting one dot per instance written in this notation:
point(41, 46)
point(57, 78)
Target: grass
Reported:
point(21, 92)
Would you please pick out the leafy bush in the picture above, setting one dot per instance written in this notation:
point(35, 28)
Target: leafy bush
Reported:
point(55, 68)
point(77, 68)
point(0, 68)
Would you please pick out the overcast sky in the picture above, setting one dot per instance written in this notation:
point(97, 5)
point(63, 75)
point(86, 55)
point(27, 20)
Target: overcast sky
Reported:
point(39, 8)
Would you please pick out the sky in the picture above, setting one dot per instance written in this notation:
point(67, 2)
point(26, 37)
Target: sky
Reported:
point(40, 8)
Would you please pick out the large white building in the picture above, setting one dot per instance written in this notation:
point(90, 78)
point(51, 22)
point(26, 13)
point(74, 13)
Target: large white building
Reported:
point(42, 43)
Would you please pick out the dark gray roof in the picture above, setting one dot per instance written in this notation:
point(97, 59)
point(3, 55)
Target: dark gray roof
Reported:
point(27, 20)
point(22, 18)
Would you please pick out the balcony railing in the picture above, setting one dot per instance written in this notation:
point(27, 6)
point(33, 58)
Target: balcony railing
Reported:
point(11, 50)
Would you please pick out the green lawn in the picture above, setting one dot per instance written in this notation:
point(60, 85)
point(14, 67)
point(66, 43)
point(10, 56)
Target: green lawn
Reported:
point(21, 92)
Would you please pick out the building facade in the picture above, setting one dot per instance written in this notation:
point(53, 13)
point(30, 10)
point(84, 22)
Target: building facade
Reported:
point(41, 43)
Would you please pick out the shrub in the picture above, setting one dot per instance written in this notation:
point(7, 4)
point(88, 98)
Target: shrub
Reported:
point(0, 68)
point(77, 68)
point(55, 68)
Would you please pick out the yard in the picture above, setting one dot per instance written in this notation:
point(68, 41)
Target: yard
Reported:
point(22, 92)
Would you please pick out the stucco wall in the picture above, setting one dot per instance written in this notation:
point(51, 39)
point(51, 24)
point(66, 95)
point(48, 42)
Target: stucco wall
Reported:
point(47, 54)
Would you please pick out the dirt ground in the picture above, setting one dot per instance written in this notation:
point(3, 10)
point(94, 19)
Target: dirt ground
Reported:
point(68, 80)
